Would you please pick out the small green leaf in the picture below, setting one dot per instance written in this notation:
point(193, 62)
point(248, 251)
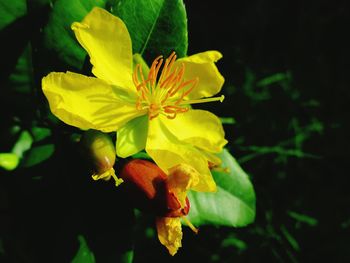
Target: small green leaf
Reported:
point(8, 161)
point(21, 78)
point(84, 255)
point(157, 27)
point(292, 241)
point(234, 202)
point(275, 78)
point(303, 218)
point(40, 133)
point(127, 257)
point(23, 144)
point(58, 34)
point(233, 241)
point(141, 155)
point(38, 154)
point(227, 120)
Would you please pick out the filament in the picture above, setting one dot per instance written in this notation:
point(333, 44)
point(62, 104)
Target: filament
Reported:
point(190, 225)
point(165, 94)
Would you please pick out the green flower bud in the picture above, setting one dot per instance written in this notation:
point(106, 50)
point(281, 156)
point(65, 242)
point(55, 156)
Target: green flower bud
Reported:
point(100, 151)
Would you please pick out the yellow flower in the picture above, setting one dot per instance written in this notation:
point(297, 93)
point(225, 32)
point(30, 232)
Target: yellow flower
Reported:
point(149, 110)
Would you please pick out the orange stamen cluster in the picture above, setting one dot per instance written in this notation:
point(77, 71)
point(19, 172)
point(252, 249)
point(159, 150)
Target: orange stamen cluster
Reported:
point(163, 94)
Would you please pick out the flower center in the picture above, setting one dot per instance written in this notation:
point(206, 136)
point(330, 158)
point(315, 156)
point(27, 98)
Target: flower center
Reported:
point(165, 94)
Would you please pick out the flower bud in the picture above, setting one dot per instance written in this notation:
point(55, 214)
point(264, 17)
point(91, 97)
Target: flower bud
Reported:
point(147, 187)
point(100, 151)
point(174, 206)
point(165, 195)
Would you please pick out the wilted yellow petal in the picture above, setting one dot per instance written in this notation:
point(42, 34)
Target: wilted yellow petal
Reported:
point(131, 138)
point(199, 128)
point(167, 151)
point(181, 178)
point(202, 66)
point(87, 102)
point(169, 233)
point(213, 159)
point(107, 40)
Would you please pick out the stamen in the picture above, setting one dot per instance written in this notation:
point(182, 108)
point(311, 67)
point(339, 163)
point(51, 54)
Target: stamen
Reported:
point(172, 89)
point(184, 102)
point(141, 73)
point(174, 108)
point(107, 176)
point(153, 116)
point(164, 94)
point(169, 79)
point(135, 78)
point(225, 170)
point(117, 180)
point(157, 63)
point(189, 224)
point(169, 62)
point(194, 81)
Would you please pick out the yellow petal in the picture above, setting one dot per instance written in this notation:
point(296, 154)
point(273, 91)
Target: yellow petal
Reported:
point(87, 102)
point(181, 178)
point(202, 66)
point(199, 128)
point(167, 151)
point(212, 158)
point(131, 138)
point(107, 41)
point(169, 233)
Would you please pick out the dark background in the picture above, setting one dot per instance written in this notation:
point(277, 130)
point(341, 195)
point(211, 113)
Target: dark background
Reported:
point(290, 136)
point(308, 39)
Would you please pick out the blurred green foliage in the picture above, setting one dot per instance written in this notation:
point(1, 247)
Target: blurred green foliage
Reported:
point(284, 91)
point(58, 35)
point(84, 255)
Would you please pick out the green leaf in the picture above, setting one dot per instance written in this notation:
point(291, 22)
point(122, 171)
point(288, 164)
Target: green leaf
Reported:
point(23, 144)
point(21, 78)
point(10, 10)
point(38, 154)
point(20, 21)
point(156, 27)
point(234, 202)
point(58, 34)
point(84, 255)
point(8, 161)
point(40, 133)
